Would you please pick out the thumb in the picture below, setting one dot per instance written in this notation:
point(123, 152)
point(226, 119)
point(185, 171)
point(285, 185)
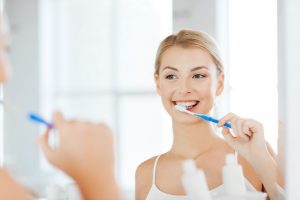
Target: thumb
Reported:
point(229, 138)
point(43, 144)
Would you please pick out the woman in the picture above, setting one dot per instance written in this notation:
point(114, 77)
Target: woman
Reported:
point(189, 72)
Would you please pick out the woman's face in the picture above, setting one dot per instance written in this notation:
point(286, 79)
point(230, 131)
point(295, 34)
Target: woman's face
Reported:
point(188, 76)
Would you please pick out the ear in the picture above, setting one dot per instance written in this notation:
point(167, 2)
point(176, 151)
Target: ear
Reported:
point(156, 79)
point(220, 84)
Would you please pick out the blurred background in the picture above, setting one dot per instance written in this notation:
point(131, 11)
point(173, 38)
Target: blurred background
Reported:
point(94, 60)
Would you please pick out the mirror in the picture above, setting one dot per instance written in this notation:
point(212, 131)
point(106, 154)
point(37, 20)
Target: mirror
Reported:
point(94, 60)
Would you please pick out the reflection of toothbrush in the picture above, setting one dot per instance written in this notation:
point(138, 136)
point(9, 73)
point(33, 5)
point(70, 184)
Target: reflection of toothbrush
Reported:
point(36, 118)
point(31, 116)
point(202, 116)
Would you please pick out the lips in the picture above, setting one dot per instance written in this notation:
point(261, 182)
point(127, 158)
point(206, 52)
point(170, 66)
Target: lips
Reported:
point(190, 104)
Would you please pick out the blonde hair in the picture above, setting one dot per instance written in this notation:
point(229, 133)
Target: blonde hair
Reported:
point(188, 39)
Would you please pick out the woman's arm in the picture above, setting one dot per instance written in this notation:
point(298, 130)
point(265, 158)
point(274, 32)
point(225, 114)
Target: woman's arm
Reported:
point(11, 189)
point(143, 179)
point(266, 168)
point(247, 138)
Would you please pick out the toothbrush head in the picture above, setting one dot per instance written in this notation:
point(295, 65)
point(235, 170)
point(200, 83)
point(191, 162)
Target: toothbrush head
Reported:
point(182, 108)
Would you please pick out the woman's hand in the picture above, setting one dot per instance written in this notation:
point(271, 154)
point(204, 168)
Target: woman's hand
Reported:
point(85, 152)
point(81, 146)
point(246, 136)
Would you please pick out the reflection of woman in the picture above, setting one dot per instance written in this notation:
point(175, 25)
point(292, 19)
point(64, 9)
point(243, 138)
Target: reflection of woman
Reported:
point(85, 153)
point(189, 72)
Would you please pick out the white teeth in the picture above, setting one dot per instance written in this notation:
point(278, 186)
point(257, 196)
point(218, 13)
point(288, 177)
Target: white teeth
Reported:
point(187, 104)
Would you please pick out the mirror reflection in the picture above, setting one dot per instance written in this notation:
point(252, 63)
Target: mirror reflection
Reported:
point(113, 62)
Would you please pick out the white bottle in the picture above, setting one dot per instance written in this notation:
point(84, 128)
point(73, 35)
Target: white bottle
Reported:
point(72, 192)
point(194, 182)
point(55, 192)
point(233, 178)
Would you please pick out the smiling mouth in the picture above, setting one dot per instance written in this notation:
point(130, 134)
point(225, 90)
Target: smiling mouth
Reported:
point(188, 105)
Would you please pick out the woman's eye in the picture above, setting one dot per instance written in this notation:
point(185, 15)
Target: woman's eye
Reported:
point(171, 77)
point(198, 76)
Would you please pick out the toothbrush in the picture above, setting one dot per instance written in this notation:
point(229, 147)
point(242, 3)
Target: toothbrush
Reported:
point(38, 119)
point(31, 116)
point(202, 116)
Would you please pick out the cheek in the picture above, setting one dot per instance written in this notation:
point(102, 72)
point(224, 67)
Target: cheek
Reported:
point(166, 88)
point(207, 100)
point(205, 90)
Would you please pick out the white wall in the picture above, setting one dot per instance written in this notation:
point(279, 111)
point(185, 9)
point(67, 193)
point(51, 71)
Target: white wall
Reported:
point(289, 87)
point(20, 149)
point(103, 69)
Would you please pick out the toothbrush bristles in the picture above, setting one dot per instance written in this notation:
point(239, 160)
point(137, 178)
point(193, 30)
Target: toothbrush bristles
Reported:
point(182, 108)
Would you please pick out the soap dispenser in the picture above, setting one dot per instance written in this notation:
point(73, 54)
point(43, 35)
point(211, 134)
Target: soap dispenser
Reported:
point(234, 182)
point(233, 178)
point(194, 182)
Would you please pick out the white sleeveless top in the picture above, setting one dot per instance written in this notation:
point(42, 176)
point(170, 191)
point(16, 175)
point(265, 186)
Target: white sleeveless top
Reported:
point(156, 194)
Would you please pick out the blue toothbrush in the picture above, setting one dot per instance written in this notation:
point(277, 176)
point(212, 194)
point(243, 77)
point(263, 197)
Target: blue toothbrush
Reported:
point(31, 116)
point(202, 116)
point(38, 119)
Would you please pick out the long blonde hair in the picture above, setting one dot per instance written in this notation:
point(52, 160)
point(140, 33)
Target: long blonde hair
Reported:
point(190, 39)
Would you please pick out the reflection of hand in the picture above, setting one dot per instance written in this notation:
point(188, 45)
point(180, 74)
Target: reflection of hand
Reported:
point(85, 152)
point(10, 189)
point(246, 136)
point(81, 146)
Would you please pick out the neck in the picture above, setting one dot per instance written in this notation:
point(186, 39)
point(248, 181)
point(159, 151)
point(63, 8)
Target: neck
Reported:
point(192, 140)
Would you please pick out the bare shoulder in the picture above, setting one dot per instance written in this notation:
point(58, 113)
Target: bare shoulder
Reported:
point(143, 178)
point(144, 170)
point(250, 174)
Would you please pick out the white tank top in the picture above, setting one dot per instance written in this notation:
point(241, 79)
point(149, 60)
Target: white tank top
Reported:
point(156, 194)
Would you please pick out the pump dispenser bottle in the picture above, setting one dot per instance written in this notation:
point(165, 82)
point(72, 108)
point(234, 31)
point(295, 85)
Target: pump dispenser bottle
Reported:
point(233, 178)
point(234, 184)
point(194, 182)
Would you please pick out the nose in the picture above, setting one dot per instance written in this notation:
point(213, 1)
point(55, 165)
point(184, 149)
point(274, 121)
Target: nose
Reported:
point(184, 87)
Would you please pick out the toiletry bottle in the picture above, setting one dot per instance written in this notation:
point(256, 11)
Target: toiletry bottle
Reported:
point(72, 192)
point(194, 182)
point(233, 178)
point(55, 192)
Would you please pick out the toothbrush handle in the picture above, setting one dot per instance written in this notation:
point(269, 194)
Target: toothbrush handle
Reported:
point(38, 119)
point(227, 125)
point(211, 119)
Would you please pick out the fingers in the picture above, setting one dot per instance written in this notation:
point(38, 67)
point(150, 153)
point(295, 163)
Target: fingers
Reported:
point(248, 126)
point(228, 136)
point(227, 118)
point(238, 126)
point(58, 119)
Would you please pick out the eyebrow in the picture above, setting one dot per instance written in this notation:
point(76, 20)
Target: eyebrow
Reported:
point(192, 70)
point(199, 67)
point(171, 68)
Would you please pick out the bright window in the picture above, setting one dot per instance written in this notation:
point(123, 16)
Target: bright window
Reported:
point(98, 64)
point(253, 62)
